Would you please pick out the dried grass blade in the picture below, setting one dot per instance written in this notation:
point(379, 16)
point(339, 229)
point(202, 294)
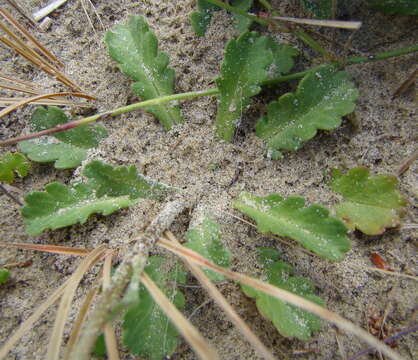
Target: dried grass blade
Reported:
point(26, 84)
point(38, 97)
point(282, 295)
point(352, 25)
point(203, 350)
point(44, 51)
point(65, 304)
point(216, 295)
point(18, 88)
point(109, 332)
point(66, 250)
point(382, 271)
point(10, 101)
point(21, 11)
point(26, 326)
point(79, 321)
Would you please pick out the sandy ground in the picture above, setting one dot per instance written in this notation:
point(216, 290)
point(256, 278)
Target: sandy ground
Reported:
point(189, 157)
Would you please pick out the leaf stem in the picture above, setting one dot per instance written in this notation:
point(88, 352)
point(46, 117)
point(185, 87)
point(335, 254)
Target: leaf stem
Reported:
point(209, 92)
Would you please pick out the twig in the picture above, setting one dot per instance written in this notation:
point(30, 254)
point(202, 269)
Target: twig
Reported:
point(66, 250)
point(407, 162)
point(41, 13)
point(402, 332)
point(7, 193)
point(135, 261)
point(351, 25)
point(406, 84)
point(21, 11)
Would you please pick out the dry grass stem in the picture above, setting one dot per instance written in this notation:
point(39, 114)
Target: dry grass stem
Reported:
point(282, 295)
point(216, 295)
point(79, 321)
point(406, 84)
point(67, 297)
point(40, 14)
point(65, 250)
point(202, 348)
point(351, 25)
point(11, 101)
point(21, 11)
point(393, 273)
point(32, 40)
point(109, 332)
point(408, 162)
point(29, 100)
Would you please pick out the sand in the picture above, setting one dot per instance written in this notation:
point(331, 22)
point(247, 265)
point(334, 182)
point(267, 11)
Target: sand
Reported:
point(382, 135)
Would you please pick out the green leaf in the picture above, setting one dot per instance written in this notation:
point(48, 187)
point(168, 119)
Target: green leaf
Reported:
point(67, 148)
point(242, 23)
point(135, 47)
point(321, 99)
point(4, 275)
point(200, 19)
point(283, 55)
point(320, 8)
point(312, 226)
point(11, 164)
point(371, 203)
point(147, 332)
point(42, 150)
point(60, 205)
point(289, 320)
point(242, 71)
point(206, 240)
point(122, 180)
point(99, 348)
point(400, 7)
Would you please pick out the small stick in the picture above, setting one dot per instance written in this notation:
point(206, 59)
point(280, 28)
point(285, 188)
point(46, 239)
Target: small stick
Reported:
point(55, 249)
point(402, 332)
point(351, 25)
point(408, 162)
point(406, 84)
point(5, 101)
point(41, 13)
point(5, 192)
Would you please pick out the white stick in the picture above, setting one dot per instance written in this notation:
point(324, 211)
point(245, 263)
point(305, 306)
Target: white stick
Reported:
point(353, 25)
point(40, 14)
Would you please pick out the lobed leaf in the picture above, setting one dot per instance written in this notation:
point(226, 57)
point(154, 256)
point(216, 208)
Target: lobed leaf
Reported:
point(400, 7)
point(67, 148)
point(147, 332)
point(206, 240)
point(312, 226)
point(122, 180)
point(371, 203)
point(283, 55)
point(242, 23)
point(289, 320)
point(200, 19)
point(60, 205)
point(135, 48)
point(321, 99)
point(242, 71)
point(320, 8)
point(11, 164)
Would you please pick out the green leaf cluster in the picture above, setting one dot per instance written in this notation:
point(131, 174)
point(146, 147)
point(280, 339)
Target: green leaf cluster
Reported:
point(283, 55)
point(371, 203)
point(147, 332)
point(321, 99)
point(135, 48)
point(400, 7)
point(61, 205)
point(312, 226)
point(206, 240)
point(11, 164)
point(67, 148)
point(245, 66)
point(289, 320)
point(242, 23)
point(4, 275)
